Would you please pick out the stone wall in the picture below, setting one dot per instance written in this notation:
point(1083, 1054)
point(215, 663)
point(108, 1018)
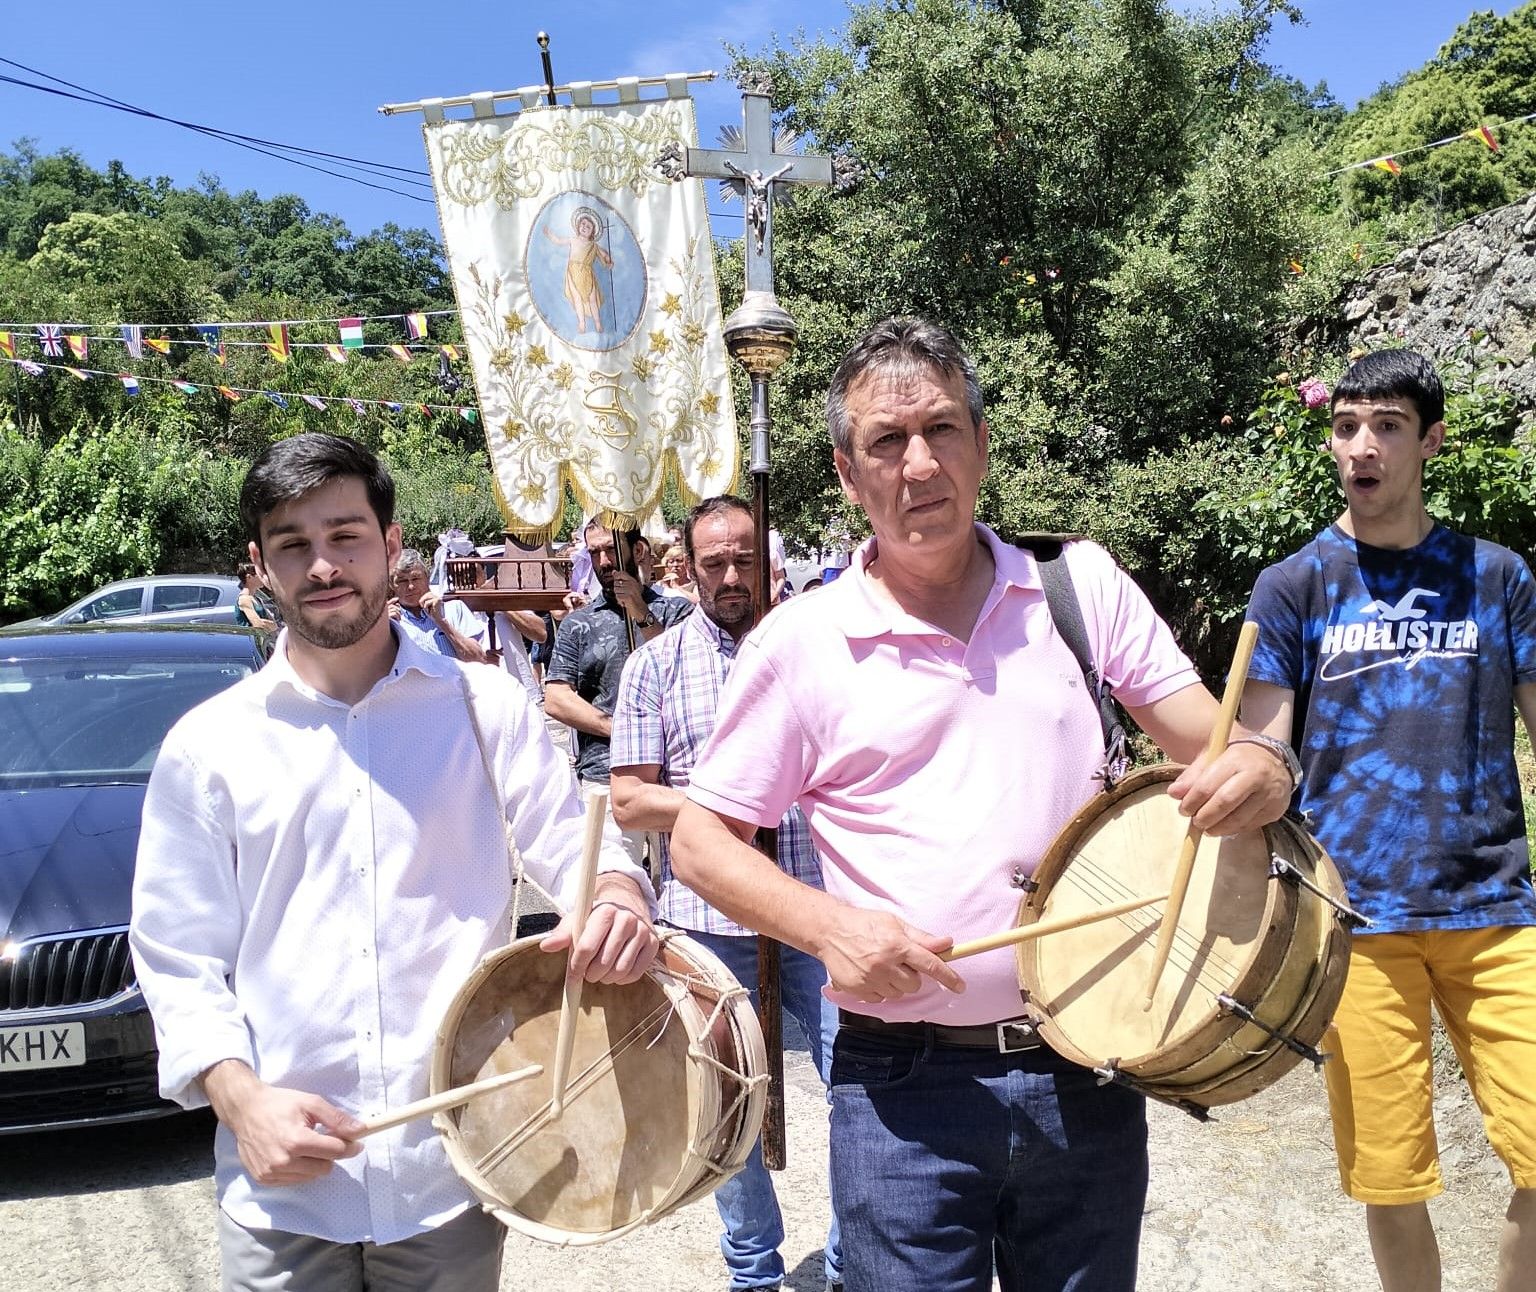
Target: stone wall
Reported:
point(1477, 279)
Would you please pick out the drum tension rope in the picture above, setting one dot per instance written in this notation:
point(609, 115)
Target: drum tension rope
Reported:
point(1280, 868)
point(1233, 1006)
point(1111, 1075)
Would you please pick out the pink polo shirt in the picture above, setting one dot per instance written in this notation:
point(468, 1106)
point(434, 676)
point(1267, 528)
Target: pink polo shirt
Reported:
point(930, 768)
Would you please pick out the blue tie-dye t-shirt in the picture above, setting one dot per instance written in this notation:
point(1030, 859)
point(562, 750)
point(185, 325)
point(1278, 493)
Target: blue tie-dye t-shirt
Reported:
point(1404, 665)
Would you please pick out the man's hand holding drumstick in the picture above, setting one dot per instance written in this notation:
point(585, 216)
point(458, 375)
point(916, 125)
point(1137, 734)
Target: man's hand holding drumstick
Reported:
point(617, 943)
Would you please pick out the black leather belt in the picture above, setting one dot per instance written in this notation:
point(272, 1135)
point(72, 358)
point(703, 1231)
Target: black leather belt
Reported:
point(1007, 1037)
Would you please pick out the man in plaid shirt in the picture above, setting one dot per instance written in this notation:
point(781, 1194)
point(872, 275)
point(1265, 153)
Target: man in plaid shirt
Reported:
point(663, 718)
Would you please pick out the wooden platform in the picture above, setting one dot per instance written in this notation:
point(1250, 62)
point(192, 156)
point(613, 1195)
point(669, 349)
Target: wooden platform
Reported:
point(525, 581)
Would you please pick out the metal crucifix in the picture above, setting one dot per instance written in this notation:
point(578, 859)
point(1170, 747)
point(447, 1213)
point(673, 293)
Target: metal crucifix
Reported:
point(761, 335)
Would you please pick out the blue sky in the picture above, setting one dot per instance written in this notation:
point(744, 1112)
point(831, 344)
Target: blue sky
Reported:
point(313, 74)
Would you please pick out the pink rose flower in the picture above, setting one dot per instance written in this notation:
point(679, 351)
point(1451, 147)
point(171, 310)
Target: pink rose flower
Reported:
point(1314, 394)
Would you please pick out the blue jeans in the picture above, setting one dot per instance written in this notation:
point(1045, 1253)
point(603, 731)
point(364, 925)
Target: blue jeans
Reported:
point(945, 1160)
point(748, 1206)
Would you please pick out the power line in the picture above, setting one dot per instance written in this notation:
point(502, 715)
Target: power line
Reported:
point(227, 137)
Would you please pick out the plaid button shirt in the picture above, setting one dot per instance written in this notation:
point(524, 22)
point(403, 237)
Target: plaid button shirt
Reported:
point(664, 716)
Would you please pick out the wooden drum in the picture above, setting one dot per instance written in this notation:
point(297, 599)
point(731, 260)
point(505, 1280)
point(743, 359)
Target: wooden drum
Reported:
point(664, 1102)
point(1257, 965)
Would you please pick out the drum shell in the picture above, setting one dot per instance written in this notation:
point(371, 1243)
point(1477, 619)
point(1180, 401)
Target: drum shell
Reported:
point(664, 1103)
point(1270, 944)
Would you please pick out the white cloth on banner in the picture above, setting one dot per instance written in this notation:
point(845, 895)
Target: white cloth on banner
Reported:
point(586, 288)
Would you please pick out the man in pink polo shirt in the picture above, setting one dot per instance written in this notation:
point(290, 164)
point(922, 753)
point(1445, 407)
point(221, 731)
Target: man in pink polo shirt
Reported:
point(935, 729)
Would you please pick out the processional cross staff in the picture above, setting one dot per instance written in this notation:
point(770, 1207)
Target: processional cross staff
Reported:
point(761, 335)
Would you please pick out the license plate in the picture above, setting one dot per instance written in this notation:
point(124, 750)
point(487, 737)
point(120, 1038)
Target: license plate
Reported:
point(53, 1045)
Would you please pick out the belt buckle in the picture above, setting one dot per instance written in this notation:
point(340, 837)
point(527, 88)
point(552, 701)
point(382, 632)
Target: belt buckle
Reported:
point(1017, 1034)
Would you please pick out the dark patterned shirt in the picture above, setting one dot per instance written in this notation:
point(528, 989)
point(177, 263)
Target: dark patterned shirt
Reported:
point(1404, 665)
point(590, 649)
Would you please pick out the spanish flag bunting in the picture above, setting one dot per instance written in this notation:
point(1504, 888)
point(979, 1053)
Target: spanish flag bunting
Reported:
point(159, 344)
point(7, 345)
point(450, 353)
point(337, 353)
point(77, 374)
point(1485, 136)
point(79, 345)
point(277, 341)
point(416, 326)
point(232, 395)
point(426, 409)
point(401, 353)
point(1297, 268)
point(130, 382)
point(1388, 164)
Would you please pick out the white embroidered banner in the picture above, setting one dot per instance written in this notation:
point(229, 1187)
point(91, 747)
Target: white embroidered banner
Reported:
point(586, 286)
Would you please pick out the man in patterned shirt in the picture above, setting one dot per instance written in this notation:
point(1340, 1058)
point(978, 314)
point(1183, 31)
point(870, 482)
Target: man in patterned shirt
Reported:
point(664, 716)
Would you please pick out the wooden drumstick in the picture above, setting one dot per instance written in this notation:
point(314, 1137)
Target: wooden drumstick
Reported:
point(1026, 932)
point(1247, 639)
point(447, 1099)
point(597, 809)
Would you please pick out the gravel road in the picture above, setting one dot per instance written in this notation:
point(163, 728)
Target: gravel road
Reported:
point(1248, 1203)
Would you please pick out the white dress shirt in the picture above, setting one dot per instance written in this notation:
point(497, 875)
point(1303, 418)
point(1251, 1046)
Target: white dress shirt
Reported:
point(315, 883)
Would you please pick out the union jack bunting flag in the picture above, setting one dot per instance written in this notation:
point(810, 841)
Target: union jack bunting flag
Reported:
point(51, 337)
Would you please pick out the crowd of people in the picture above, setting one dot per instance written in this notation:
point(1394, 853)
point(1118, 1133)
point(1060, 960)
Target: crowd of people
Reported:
point(916, 734)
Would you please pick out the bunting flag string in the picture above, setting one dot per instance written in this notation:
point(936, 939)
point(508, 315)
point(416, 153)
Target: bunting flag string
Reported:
point(162, 345)
point(1392, 162)
point(262, 324)
point(131, 383)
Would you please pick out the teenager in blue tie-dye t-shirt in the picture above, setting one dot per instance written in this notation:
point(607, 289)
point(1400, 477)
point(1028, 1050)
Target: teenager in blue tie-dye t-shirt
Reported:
point(1393, 653)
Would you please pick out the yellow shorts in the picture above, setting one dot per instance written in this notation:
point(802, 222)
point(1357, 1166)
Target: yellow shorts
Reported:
point(1483, 985)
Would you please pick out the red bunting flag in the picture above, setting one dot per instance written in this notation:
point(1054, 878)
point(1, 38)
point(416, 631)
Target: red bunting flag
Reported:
point(1388, 164)
point(277, 341)
point(232, 395)
point(79, 345)
point(1484, 136)
point(7, 345)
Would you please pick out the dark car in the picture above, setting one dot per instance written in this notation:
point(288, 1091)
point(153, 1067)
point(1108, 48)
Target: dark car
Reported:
point(83, 711)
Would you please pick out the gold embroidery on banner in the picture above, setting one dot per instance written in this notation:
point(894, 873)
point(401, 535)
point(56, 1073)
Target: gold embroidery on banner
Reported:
point(490, 163)
point(543, 438)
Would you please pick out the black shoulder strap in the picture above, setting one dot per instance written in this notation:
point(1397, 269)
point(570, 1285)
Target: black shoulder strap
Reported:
point(1067, 615)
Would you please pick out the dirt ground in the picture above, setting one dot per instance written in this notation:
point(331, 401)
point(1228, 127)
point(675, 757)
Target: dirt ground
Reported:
point(1247, 1203)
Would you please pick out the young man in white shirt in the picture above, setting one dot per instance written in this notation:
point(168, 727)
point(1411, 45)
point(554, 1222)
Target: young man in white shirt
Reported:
point(323, 860)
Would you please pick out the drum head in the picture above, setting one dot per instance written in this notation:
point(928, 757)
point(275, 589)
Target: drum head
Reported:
point(1090, 983)
point(632, 1104)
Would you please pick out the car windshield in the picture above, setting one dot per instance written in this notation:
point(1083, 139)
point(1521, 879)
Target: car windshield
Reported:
point(83, 721)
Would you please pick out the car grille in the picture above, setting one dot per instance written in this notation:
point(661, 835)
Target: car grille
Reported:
point(72, 969)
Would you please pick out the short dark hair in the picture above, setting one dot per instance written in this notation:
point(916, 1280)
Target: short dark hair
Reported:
point(244, 570)
point(291, 468)
point(1397, 374)
point(715, 506)
point(630, 533)
point(906, 345)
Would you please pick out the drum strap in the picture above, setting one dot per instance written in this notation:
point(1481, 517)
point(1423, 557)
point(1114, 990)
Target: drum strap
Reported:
point(1049, 551)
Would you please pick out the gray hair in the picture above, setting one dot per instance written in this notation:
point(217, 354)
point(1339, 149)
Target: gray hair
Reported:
point(408, 560)
point(904, 347)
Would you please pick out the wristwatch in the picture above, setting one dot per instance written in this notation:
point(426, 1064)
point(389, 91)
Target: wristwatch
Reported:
point(1279, 748)
point(650, 620)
